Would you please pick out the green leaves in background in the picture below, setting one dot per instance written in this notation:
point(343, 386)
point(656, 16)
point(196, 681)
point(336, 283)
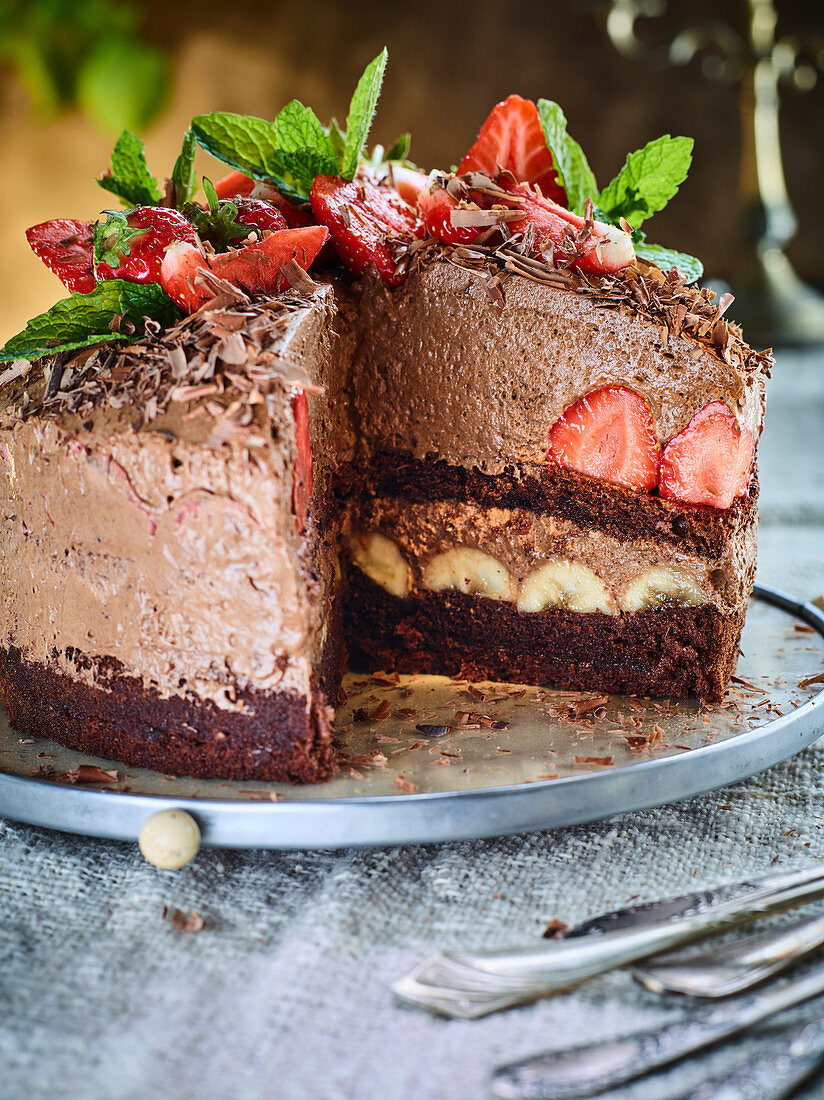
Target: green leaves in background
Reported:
point(649, 179)
point(129, 177)
point(85, 319)
point(295, 147)
point(86, 54)
point(573, 170)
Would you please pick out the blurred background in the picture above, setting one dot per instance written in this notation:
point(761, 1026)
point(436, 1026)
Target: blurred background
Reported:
point(74, 72)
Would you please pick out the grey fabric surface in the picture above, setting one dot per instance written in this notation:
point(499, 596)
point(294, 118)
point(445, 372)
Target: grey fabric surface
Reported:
point(284, 993)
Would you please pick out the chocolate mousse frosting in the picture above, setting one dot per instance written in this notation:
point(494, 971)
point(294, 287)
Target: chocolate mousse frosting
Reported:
point(447, 369)
point(146, 506)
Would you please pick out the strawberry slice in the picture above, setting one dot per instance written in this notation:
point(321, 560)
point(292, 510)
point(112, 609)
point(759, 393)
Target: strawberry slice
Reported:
point(302, 472)
point(255, 268)
point(436, 208)
point(237, 185)
point(132, 243)
point(607, 249)
point(512, 140)
point(609, 434)
point(710, 461)
point(360, 217)
point(408, 182)
point(65, 247)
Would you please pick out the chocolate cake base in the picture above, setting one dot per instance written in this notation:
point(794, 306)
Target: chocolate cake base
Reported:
point(277, 736)
point(677, 653)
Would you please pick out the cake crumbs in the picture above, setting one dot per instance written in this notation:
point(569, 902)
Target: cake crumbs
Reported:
point(193, 923)
point(405, 785)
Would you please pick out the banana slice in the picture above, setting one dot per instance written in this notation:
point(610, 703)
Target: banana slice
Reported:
point(381, 560)
point(564, 583)
point(661, 586)
point(471, 571)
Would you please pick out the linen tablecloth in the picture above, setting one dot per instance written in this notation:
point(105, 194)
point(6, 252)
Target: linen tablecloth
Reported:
point(285, 991)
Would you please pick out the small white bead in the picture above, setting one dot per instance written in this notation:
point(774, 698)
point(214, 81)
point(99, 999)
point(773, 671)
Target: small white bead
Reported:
point(169, 839)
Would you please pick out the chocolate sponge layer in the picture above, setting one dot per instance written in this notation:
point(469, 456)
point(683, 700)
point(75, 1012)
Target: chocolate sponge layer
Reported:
point(678, 652)
point(622, 513)
point(276, 736)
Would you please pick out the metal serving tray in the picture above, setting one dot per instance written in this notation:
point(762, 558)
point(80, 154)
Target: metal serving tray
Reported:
point(563, 757)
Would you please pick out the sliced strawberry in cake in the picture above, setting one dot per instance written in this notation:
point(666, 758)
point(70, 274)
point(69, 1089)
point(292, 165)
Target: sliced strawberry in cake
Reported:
point(710, 461)
point(608, 434)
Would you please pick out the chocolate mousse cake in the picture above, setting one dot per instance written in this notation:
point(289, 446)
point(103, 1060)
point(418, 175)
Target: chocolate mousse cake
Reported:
point(495, 434)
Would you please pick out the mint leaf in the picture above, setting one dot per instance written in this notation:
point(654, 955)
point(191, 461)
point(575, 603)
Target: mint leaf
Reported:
point(399, 149)
point(648, 180)
point(130, 178)
point(574, 173)
point(85, 319)
point(183, 173)
point(361, 112)
point(288, 152)
point(338, 139)
point(689, 268)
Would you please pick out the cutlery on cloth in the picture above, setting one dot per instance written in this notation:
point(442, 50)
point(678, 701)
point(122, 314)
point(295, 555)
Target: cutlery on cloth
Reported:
point(583, 1070)
point(466, 985)
point(723, 969)
point(772, 1072)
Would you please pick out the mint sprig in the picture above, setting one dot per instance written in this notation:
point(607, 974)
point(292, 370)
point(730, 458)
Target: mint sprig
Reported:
point(294, 147)
point(183, 173)
point(288, 152)
point(571, 165)
point(129, 177)
point(361, 113)
point(649, 179)
point(399, 149)
point(82, 320)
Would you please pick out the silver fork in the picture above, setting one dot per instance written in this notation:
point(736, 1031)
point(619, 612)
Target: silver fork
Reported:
point(467, 985)
point(723, 969)
point(584, 1070)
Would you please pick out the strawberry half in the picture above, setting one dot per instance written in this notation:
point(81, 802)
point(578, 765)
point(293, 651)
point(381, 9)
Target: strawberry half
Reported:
point(609, 434)
point(132, 243)
point(66, 248)
point(512, 140)
point(254, 268)
point(710, 461)
point(302, 472)
point(360, 217)
point(606, 250)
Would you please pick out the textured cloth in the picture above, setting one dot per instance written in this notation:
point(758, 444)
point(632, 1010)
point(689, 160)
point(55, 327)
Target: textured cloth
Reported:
point(285, 991)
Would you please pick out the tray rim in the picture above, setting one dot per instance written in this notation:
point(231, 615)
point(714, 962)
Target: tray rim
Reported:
point(437, 816)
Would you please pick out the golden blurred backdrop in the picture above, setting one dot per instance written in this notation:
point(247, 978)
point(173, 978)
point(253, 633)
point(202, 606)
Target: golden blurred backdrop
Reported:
point(448, 63)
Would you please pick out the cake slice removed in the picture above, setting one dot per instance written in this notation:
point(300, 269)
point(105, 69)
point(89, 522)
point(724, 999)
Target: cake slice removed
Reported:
point(165, 561)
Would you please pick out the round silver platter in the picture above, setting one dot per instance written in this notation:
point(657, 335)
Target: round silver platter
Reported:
point(514, 759)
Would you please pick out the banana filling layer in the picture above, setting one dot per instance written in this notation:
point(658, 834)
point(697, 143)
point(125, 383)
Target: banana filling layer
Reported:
point(536, 562)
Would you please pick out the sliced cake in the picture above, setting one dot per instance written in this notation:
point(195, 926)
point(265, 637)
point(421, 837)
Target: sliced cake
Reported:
point(496, 434)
